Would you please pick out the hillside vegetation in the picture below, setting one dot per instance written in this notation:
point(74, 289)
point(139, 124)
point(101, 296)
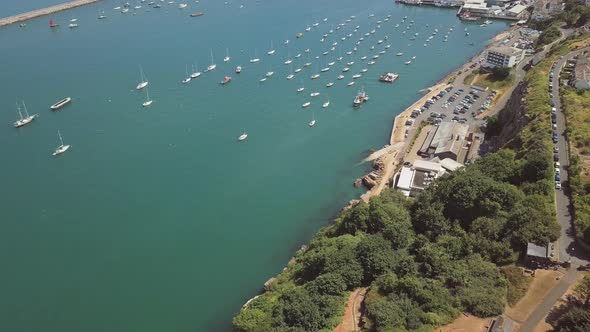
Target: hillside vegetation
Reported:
point(428, 259)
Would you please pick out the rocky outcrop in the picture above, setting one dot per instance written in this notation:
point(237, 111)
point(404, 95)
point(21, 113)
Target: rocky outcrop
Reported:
point(512, 118)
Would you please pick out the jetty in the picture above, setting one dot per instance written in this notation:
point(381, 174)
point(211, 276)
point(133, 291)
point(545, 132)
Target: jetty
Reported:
point(45, 11)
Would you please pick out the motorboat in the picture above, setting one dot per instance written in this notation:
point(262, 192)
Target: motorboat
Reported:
point(290, 76)
point(225, 80)
point(355, 76)
point(388, 77)
point(314, 94)
point(340, 77)
point(345, 69)
point(306, 104)
point(323, 70)
point(360, 98)
point(61, 103)
point(314, 76)
point(329, 84)
point(238, 69)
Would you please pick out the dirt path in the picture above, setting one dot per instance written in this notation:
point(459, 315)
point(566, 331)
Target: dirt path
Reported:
point(352, 315)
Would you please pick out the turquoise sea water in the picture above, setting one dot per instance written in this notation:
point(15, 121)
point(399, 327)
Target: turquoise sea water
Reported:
point(157, 219)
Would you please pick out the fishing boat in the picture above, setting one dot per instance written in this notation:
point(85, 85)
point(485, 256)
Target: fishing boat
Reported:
point(243, 136)
point(238, 69)
point(272, 50)
point(340, 77)
point(212, 66)
point(61, 148)
point(143, 81)
point(24, 120)
point(299, 35)
point(60, 104)
point(329, 84)
point(225, 80)
point(227, 58)
point(314, 94)
point(360, 98)
point(388, 77)
point(306, 104)
point(147, 101)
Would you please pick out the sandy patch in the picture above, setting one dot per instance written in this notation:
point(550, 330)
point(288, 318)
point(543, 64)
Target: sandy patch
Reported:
point(542, 283)
point(466, 324)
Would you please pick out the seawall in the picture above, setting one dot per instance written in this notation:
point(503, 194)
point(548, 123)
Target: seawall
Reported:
point(45, 11)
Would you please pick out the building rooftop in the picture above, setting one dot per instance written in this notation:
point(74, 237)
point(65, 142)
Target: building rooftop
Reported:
point(534, 250)
point(516, 10)
point(405, 178)
point(505, 50)
point(428, 166)
point(450, 165)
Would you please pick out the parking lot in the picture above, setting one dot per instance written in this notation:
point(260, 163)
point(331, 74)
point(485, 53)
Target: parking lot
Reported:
point(458, 104)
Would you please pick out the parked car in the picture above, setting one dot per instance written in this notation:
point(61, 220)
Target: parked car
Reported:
point(557, 185)
point(556, 157)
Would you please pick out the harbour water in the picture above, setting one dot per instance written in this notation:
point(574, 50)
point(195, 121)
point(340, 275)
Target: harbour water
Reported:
point(157, 219)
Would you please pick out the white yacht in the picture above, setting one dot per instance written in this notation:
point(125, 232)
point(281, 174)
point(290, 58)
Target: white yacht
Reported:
point(355, 76)
point(212, 66)
point(323, 70)
point(24, 120)
point(340, 77)
point(187, 77)
point(290, 76)
point(314, 76)
point(306, 104)
point(61, 148)
point(196, 73)
point(147, 101)
point(329, 84)
point(227, 58)
point(326, 104)
point(345, 69)
point(272, 50)
point(243, 136)
point(300, 89)
point(314, 94)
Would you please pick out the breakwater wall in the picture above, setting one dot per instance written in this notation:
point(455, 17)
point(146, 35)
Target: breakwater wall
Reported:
point(45, 11)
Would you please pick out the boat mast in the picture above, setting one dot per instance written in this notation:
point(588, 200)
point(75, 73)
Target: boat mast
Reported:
point(18, 110)
point(211, 56)
point(60, 139)
point(147, 94)
point(25, 106)
point(141, 74)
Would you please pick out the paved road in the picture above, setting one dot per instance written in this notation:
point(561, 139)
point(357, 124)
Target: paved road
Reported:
point(549, 301)
point(568, 248)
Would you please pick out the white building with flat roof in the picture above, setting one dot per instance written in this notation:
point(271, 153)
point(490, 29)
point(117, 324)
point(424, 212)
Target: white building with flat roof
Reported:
point(506, 57)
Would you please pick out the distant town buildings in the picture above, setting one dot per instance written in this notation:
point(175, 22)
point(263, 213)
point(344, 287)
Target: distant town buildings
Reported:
point(506, 57)
point(581, 74)
point(544, 9)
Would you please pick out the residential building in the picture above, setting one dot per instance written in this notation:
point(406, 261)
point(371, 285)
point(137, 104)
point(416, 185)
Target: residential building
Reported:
point(412, 180)
point(581, 74)
point(506, 57)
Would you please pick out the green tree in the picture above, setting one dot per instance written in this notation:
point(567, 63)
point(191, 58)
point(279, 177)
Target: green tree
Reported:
point(375, 255)
point(576, 319)
point(582, 290)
